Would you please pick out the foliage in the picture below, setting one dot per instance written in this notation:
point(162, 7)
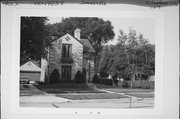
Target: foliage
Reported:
point(125, 84)
point(33, 38)
point(138, 84)
point(106, 81)
point(55, 77)
point(79, 78)
point(95, 79)
point(133, 57)
point(95, 29)
point(103, 81)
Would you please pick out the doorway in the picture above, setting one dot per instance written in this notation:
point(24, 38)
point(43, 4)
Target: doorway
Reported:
point(66, 72)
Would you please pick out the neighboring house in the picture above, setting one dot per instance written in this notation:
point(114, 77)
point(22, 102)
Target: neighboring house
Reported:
point(30, 71)
point(69, 54)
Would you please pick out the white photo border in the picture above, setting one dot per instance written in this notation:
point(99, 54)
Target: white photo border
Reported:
point(159, 55)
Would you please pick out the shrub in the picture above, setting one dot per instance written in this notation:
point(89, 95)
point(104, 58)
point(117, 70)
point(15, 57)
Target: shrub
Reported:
point(79, 78)
point(106, 82)
point(55, 77)
point(95, 79)
point(115, 81)
point(103, 74)
point(138, 84)
point(125, 84)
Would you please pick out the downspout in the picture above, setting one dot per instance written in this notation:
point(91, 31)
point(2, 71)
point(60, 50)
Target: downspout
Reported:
point(48, 65)
point(89, 71)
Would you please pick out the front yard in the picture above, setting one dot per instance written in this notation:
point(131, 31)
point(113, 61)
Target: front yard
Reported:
point(140, 93)
point(87, 96)
point(66, 88)
point(74, 91)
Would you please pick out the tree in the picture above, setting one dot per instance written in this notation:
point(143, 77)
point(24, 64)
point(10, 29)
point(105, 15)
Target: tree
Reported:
point(55, 77)
point(133, 57)
point(79, 78)
point(95, 29)
point(33, 38)
point(137, 50)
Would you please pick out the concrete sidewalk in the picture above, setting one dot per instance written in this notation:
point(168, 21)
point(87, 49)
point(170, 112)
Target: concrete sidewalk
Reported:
point(46, 98)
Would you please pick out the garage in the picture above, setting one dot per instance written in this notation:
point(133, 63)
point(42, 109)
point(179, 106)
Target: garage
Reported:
point(30, 72)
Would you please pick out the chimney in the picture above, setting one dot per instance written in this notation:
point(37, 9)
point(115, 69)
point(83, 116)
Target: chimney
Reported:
point(77, 33)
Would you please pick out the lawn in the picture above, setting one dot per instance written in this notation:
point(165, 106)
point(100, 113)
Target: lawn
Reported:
point(88, 96)
point(141, 93)
point(29, 90)
point(67, 88)
point(127, 90)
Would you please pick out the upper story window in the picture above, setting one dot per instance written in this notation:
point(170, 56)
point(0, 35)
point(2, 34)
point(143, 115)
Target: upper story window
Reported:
point(66, 50)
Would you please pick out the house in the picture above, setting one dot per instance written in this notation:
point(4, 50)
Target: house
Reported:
point(69, 54)
point(30, 72)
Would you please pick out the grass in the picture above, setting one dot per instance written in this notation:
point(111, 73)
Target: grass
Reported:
point(127, 90)
point(28, 90)
point(143, 95)
point(82, 91)
point(88, 96)
point(67, 88)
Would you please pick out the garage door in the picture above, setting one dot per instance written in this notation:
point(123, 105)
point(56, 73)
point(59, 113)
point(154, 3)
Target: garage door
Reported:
point(29, 76)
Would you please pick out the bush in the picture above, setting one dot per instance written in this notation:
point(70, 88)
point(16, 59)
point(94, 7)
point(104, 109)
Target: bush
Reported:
point(125, 84)
point(106, 82)
point(55, 77)
point(103, 74)
point(95, 79)
point(102, 80)
point(138, 84)
point(79, 78)
point(115, 81)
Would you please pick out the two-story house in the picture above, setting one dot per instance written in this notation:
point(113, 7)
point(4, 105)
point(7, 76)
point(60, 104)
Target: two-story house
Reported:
point(69, 54)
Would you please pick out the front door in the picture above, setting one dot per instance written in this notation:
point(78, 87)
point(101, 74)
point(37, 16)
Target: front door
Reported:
point(66, 73)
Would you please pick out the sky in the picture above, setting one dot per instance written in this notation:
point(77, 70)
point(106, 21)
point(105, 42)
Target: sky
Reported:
point(141, 25)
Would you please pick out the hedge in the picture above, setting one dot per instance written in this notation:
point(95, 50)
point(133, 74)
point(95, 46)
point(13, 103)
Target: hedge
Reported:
point(55, 77)
point(138, 84)
point(79, 78)
point(104, 81)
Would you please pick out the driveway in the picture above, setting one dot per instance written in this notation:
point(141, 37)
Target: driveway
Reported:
point(30, 95)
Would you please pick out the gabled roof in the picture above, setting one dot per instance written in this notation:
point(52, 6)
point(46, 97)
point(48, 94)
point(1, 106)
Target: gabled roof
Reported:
point(87, 46)
point(30, 66)
point(85, 42)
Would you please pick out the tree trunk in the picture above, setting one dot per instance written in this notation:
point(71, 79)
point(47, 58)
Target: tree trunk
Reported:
point(133, 77)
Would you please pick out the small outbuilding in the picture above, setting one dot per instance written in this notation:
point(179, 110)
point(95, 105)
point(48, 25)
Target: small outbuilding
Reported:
point(30, 72)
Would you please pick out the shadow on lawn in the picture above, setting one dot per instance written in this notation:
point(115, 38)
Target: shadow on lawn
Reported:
point(67, 88)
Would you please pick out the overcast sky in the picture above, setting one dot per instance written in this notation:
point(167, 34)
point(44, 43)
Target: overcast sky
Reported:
point(144, 26)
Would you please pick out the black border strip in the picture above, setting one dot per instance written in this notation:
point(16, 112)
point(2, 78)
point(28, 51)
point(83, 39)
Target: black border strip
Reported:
point(146, 3)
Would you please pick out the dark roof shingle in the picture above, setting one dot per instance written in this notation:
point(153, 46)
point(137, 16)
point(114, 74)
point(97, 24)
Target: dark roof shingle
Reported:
point(87, 46)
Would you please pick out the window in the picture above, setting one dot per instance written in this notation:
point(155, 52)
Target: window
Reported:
point(66, 51)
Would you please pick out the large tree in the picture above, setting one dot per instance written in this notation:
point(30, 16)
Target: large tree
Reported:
point(33, 38)
point(95, 29)
point(132, 57)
